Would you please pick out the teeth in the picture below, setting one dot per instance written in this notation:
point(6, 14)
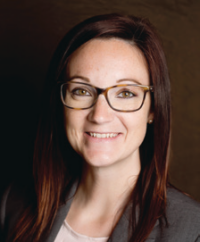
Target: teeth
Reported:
point(102, 136)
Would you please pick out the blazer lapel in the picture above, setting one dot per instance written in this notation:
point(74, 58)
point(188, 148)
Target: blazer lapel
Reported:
point(154, 235)
point(60, 216)
point(120, 233)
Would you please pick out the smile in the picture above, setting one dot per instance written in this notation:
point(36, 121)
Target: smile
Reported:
point(103, 136)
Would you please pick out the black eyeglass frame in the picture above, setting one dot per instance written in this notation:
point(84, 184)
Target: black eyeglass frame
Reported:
point(104, 91)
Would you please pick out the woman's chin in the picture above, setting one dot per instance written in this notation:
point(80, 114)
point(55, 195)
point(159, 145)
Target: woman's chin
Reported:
point(99, 159)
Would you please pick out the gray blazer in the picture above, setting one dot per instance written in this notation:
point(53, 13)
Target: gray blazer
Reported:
point(182, 212)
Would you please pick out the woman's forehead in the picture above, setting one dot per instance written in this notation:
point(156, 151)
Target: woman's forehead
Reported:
point(109, 59)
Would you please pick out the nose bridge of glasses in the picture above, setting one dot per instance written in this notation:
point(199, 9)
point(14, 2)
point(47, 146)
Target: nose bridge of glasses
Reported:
point(101, 91)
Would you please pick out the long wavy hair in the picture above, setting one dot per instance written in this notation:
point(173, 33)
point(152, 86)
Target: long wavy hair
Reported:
point(56, 165)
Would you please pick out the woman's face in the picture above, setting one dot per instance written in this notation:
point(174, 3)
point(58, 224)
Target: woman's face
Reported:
point(104, 63)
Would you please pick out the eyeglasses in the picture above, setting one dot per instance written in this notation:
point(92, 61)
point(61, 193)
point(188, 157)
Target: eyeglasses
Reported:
point(122, 98)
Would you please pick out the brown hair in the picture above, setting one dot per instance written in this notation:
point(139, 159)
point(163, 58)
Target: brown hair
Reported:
point(54, 171)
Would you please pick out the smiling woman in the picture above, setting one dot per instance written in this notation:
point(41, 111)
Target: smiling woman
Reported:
point(101, 152)
point(104, 63)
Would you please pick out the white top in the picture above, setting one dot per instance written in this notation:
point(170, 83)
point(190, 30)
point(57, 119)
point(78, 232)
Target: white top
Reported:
point(66, 234)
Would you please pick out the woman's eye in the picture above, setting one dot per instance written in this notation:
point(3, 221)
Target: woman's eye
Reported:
point(126, 94)
point(80, 92)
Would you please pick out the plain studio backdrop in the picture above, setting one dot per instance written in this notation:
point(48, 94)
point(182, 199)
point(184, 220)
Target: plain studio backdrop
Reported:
point(29, 33)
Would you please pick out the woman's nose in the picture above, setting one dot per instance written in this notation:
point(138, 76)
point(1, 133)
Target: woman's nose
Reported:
point(101, 112)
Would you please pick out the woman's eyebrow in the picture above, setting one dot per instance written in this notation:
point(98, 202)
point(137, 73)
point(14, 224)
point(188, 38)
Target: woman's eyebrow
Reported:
point(79, 77)
point(88, 80)
point(129, 79)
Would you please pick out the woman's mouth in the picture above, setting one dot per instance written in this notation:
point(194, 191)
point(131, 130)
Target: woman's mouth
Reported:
point(103, 135)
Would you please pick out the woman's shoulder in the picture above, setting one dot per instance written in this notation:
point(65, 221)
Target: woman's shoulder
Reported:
point(183, 217)
point(180, 201)
point(15, 199)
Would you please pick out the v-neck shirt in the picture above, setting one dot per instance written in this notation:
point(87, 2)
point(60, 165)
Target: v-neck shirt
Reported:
point(66, 234)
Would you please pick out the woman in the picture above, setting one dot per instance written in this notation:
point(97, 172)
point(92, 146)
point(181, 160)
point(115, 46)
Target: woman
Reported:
point(101, 152)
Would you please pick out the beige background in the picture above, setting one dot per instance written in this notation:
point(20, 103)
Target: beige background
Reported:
point(29, 33)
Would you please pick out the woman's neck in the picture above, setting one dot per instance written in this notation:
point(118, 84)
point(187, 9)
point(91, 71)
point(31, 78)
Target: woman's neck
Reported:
point(101, 197)
point(108, 188)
